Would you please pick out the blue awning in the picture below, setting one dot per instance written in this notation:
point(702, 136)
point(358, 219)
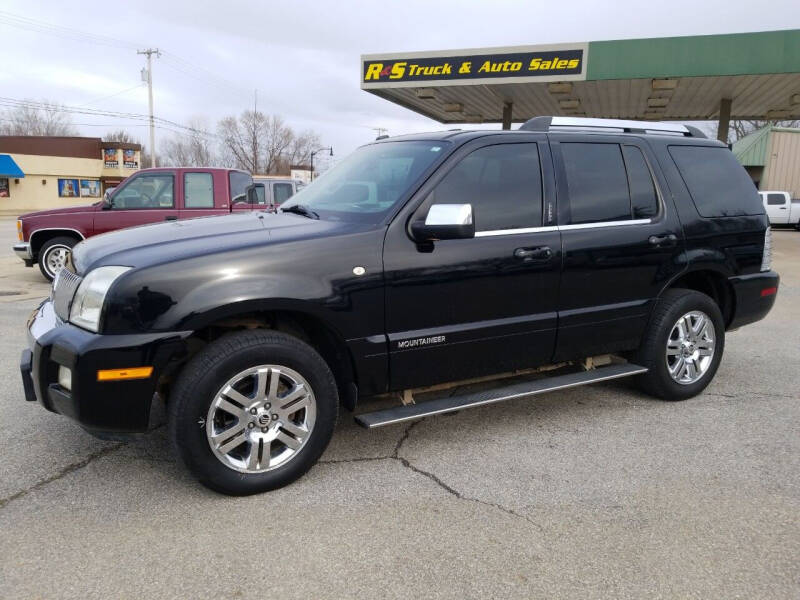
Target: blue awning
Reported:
point(8, 168)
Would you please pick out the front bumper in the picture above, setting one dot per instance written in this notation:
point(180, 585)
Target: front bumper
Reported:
point(101, 407)
point(754, 296)
point(23, 250)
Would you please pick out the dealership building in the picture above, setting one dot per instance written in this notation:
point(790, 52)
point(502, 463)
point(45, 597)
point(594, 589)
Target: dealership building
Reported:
point(39, 172)
point(694, 78)
point(771, 157)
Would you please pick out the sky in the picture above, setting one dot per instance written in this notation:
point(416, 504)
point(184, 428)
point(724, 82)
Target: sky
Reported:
point(303, 57)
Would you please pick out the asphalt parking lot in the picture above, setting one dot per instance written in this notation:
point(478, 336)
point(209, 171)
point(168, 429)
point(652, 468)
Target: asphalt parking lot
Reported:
point(598, 492)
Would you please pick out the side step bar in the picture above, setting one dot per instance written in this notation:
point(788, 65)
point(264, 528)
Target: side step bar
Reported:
point(409, 412)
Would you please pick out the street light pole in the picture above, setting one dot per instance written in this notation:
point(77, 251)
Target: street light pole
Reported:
point(149, 53)
point(317, 151)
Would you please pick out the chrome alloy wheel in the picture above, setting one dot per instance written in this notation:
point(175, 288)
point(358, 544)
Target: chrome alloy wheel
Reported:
point(690, 347)
point(56, 259)
point(261, 418)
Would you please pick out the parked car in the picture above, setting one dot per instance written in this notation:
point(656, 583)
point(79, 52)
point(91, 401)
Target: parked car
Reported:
point(781, 208)
point(47, 237)
point(584, 250)
point(274, 191)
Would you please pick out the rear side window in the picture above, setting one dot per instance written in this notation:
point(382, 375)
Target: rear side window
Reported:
point(776, 199)
point(281, 192)
point(239, 184)
point(644, 201)
point(597, 182)
point(198, 190)
point(717, 183)
point(503, 183)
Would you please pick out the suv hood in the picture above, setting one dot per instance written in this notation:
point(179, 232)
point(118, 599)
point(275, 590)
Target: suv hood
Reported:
point(177, 240)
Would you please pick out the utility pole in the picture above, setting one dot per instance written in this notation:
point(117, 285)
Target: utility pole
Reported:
point(149, 53)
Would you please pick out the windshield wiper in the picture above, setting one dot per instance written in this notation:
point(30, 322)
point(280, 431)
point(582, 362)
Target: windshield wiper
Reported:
point(299, 209)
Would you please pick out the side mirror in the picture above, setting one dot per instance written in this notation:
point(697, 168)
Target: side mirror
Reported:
point(108, 201)
point(445, 222)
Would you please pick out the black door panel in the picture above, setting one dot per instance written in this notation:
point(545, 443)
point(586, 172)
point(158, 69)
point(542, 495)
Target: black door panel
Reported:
point(471, 307)
point(613, 269)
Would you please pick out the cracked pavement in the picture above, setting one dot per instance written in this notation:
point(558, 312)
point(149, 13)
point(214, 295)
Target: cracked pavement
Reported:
point(595, 492)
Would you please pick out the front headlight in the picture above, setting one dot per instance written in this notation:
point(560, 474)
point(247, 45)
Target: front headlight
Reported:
point(87, 305)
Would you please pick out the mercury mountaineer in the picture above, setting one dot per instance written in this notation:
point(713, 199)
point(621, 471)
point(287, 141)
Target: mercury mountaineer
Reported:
point(567, 252)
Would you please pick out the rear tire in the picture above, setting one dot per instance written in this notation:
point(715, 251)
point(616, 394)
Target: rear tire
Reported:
point(240, 434)
point(683, 345)
point(54, 255)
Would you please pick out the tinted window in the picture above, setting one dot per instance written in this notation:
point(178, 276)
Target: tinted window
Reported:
point(774, 199)
point(644, 201)
point(145, 191)
point(718, 184)
point(503, 183)
point(198, 190)
point(281, 192)
point(597, 183)
point(239, 184)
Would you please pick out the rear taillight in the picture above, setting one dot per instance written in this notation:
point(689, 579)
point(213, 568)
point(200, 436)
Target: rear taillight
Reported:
point(766, 257)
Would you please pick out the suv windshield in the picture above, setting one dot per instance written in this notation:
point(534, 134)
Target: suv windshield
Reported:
point(369, 182)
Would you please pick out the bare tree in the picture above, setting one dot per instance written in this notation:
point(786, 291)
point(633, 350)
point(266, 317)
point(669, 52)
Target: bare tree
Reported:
point(191, 149)
point(37, 118)
point(741, 128)
point(242, 140)
point(263, 144)
point(144, 156)
point(299, 152)
point(122, 136)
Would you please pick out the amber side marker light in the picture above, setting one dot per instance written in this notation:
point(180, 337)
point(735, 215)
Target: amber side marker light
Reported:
point(121, 374)
point(769, 291)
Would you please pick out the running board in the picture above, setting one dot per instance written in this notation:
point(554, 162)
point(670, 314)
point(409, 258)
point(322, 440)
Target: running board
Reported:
point(409, 412)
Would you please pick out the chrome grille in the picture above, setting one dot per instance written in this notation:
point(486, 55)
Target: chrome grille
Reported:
point(65, 284)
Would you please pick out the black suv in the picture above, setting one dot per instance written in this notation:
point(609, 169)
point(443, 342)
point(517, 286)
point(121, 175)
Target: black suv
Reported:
point(583, 250)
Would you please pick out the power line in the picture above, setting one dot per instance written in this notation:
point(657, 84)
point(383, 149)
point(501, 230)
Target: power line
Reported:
point(15, 103)
point(174, 61)
point(136, 87)
point(21, 22)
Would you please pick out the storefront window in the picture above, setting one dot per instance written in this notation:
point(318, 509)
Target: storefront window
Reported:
point(90, 188)
point(68, 188)
point(4, 189)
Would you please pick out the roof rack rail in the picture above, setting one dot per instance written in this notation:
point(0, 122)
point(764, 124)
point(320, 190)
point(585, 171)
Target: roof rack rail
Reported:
point(547, 123)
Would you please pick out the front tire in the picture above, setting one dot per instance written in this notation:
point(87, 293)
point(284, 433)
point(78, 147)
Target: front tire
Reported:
point(253, 411)
point(54, 255)
point(683, 345)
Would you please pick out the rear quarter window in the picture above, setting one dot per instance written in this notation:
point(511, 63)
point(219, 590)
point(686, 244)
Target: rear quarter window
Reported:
point(717, 183)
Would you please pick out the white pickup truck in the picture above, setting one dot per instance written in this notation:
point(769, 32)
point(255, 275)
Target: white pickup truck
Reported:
point(781, 209)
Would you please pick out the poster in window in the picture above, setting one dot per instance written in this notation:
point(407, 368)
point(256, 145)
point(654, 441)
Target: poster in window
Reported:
point(129, 159)
point(4, 191)
point(110, 158)
point(90, 188)
point(68, 188)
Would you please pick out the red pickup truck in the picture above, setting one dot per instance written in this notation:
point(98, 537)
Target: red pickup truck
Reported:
point(150, 195)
